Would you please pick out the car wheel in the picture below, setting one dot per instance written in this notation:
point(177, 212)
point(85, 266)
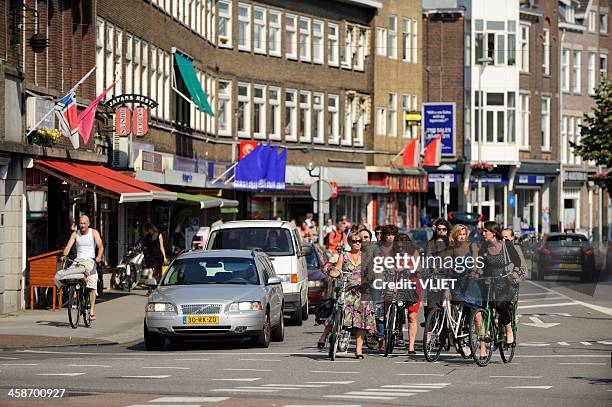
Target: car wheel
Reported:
point(278, 333)
point(305, 311)
point(263, 339)
point(153, 341)
point(296, 317)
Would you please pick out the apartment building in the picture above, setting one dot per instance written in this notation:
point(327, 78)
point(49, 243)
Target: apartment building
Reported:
point(584, 62)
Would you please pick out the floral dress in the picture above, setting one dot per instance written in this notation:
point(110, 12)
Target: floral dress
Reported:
point(358, 313)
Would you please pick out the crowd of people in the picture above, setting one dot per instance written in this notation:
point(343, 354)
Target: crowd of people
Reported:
point(350, 251)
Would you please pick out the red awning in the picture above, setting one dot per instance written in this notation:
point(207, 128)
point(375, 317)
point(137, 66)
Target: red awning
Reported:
point(123, 187)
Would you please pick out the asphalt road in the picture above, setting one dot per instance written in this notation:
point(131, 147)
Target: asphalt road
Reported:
point(564, 358)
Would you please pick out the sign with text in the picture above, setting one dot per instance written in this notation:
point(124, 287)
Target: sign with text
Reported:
point(140, 121)
point(439, 118)
point(246, 147)
point(123, 121)
point(151, 161)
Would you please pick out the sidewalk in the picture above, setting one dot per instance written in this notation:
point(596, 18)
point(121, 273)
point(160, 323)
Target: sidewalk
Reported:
point(119, 319)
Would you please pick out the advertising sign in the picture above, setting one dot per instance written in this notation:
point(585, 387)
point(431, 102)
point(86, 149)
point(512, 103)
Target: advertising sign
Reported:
point(123, 120)
point(140, 122)
point(151, 161)
point(246, 147)
point(439, 118)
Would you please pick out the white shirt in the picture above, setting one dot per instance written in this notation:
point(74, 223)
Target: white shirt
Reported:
point(85, 245)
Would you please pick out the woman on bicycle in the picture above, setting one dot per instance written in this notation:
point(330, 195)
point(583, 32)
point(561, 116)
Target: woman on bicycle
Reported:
point(407, 246)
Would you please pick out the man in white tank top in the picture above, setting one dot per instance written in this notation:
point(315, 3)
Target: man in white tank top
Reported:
point(86, 240)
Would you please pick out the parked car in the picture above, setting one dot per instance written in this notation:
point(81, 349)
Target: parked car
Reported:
point(315, 262)
point(465, 218)
point(283, 244)
point(565, 255)
point(220, 293)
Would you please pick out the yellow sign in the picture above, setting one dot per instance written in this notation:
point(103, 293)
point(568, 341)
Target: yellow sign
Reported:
point(413, 117)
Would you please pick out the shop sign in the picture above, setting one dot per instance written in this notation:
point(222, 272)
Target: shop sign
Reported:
point(187, 178)
point(140, 122)
point(531, 179)
point(246, 147)
point(439, 118)
point(441, 177)
point(215, 169)
point(123, 120)
point(492, 178)
point(186, 164)
point(334, 189)
point(151, 161)
point(575, 176)
point(405, 183)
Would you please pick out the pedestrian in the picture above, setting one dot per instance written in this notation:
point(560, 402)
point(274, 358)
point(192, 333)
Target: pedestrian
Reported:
point(309, 220)
point(154, 251)
point(435, 251)
point(378, 233)
point(314, 230)
point(305, 233)
point(336, 238)
point(329, 227)
point(86, 240)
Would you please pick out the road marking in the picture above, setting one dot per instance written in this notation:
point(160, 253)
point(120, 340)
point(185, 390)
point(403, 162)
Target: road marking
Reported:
point(540, 299)
point(295, 385)
point(192, 359)
point(260, 360)
point(165, 367)
point(189, 400)
point(399, 390)
point(18, 364)
point(530, 295)
point(322, 405)
point(126, 358)
point(250, 370)
point(605, 342)
point(326, 371)
point(247, 390)
point(418, 385)
point(515, 377)
point(538, 323)
point(146, 377)
point(337, 361)
point(603, 310)
point(8, 357)
point(530, 387)
point(360, 397)
point(561, 304)
point(534, 344)
point(563, 343)
point(587, 343)
point(562, 356)
point(60, 374)
point(166, 405)
point(420, 374)
point(75, 365)
point(582, 363)
point(341, 382)
point(269, 388)
point(246, 379)
point(379, 393)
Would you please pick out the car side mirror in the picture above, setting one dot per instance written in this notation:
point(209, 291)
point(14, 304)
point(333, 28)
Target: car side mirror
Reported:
point(273, 281)
point(306, 250)
point(151, 282)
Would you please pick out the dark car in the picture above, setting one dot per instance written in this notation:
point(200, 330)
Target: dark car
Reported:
point(315, 262)
point(565, 255)
point(465, 218)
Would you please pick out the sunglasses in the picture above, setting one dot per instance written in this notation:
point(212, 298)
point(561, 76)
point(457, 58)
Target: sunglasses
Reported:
point(354, 241)
point(442, 229)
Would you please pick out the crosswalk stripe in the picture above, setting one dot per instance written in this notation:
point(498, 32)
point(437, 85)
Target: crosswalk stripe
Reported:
point(60, 374)
point(420, 374)
point(587, 343)
point(269, 388)
point(342, 382)
point(166, 367)
point(249, 370)
point(530, 387)
point(401, 390)
point(295, 385)
point(330, 372)
point(583, 363)
point(563, 343)
point(418, 385)
point(246, 379)
point(247, 390)
point(189, 400)
point(146, 377)
point(379, 393)
point(166, 405)
point(345, 396)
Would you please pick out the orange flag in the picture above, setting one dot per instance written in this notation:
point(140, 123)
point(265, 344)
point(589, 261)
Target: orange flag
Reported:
point(433, 152)
point(411, 154)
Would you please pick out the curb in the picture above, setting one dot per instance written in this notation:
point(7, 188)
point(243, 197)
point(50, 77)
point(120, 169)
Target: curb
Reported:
point(76, 345)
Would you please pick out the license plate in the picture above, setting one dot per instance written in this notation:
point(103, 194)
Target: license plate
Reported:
point(568, 266)
point(200, 320)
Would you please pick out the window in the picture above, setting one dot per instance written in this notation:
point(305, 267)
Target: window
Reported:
point(592, 21)
point(224, 29)
point(545, 128)
point(318, 129)
point(406, 40)
point(591, 72)
point(275, 114)
point(332, 44)
point(290, 115)
point(524, 121)
point(415, 44)
point(167, 67)
point(392, 115)
point(415, 108)
point(407, 126)
point(305, 39)
point(381, 41)
point(347, 58)
point(244, 27)
point(305, 119)
point(108, 55)
point(210, 21)
point(565, 70)
point(571, 158)
point(511, 42)
point(603, 22)
point(603, 66)
point(153, 77)
point(145, 69)
point(333, 122)
point(523, 53)
point(224, 111)
point(100, 56)
point(160, 83)
point(274, 39)
point(576, 70)
point(381, 121)
point(511, 125)
point(211, 120)
point(317, 42)
point(259, 111)
point(361, 122)
point(564, 141)
point(137, 70)
point(361, 46)
point(259, 30)
point(243, 114)
point(577, 135)
point(290, 37)
point(392, 41)
point(546, 52)
point(349, 112)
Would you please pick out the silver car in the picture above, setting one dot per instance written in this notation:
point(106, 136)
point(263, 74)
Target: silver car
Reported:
point(217, 293)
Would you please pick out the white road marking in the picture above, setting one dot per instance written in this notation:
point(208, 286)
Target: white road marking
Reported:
point(60, 374)
point(530, 387)
point(269, 388)
point(189, 399)
point(515, 377)
point(540, 299)
point(360, 397)
point(337, 361)
point(562, 304)
point(605, 342)
point(379, 393)
point(418, 385)
point(587, 343)
point(167, 405)
point(76, 365)
point(146, 377)
point(18, 364)
point(247, 390)
point(563, 343)
point(249, 370)
point(582, 363)
point(399, 390)
point(8, 357)
point(603, 310)
point(534, 344)
point(322, 405)
point(562, 356)
point(295, 385)
point(341, 382)
point(538, 323)
point(260, 360)
point(127, 358)
point(420, 374)
point(246, 379)
point(165, 367)
point(326, 371)
point(193, 359)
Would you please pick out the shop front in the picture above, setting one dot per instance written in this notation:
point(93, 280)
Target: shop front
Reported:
point(574, 200)
point(533, 203)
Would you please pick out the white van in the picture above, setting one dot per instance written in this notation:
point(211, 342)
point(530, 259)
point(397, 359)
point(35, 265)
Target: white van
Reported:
point(282, 243)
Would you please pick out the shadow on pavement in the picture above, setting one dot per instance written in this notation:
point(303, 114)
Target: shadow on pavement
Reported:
point(594, 380)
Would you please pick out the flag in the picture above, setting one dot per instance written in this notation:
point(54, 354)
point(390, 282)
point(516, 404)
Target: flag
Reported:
point(86, 118)
point(281, 168)
point(411, 154)
point(249, 170)
point(272, 169)
point(66, 112)
point(433, 152)
point(265, 158)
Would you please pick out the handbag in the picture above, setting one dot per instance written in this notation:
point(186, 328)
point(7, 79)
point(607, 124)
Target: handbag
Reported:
point(323, 311)
point(508, 265)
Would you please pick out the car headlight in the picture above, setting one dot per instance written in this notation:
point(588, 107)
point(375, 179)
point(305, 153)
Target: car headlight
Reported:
point(160, 307)
point(245, 306)
point(316, 283)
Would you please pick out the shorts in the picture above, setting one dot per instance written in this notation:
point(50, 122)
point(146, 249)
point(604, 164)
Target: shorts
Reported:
point(90, 268)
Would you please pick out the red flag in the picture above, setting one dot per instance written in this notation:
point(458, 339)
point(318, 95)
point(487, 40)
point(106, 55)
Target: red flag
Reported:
point(411, 154)
point(246, 147)
point(87, 116)
point(433, 152)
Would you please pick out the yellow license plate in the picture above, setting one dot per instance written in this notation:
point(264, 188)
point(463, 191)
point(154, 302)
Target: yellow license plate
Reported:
point(200, 320)
point(568, 266)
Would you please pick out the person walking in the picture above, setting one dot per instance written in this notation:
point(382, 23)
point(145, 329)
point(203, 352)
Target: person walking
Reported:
point(86, 240)
point(155, 253)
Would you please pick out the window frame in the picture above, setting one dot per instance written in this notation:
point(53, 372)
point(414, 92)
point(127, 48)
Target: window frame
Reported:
point(262, 24)
point(392, 37)
point(292, 135)
point(333, 43)
point(318, 118)
point(523, 52)
point(274, 33)
point(245, 21)
point(603, 18)
point(545, 124)
point(592, 23)
point(347, 136)
point(291, 30)
point(406, 40)
point(381, 41)
point(274, 112)
point(305, 39)
point(223, 41)
point(381, 121)
point(565, 70)
point(392, 114)
point(577, 72)
point(246, 111)
point(347, 55)
point(333, 119)
point(317, 42)
point(591, 73)
point(305, 117)
point(261, 103)
point(406, 107)
point(224, 97)
point(524, 120)
point(546, 51)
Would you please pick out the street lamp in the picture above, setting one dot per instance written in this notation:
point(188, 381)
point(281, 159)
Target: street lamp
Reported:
point(310, 167)
point(483, 64)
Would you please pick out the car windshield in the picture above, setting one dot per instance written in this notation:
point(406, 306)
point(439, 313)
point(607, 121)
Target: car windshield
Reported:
point(212, 270)
point(273, 241)
point(566, 238)
point(312, 260)
point(421, 235)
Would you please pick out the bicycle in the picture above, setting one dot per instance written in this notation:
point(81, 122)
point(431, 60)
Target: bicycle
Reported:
point(338, 336)
point(78, 295)
point(394, 319)
point(484, 329)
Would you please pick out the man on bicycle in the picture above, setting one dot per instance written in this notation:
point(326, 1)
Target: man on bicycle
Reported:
point(86, 240)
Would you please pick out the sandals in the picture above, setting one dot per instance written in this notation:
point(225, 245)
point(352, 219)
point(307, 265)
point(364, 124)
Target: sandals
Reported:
point(92, 317)
point(320, 345)
point(358, 356)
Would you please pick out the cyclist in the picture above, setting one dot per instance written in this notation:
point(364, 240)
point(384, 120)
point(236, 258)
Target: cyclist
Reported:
point(436, 250)
point(407, 246)
point(86, 240)
point(385, 249)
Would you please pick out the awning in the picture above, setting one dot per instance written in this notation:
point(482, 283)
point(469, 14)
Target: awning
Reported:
point(113, 183)
point(192, 83)
point(207, 201)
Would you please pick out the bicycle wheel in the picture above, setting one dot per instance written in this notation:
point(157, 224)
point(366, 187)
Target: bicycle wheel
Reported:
point(432, 346)
point(85, 308)
point(390, 329)
point(481, 336)
point(334, 337)
point(73, 307)
point(507, 353)
point(460, 343)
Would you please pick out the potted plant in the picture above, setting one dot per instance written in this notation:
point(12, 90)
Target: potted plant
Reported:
point(600, 179)
point(44, 137)
point(480, 168)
